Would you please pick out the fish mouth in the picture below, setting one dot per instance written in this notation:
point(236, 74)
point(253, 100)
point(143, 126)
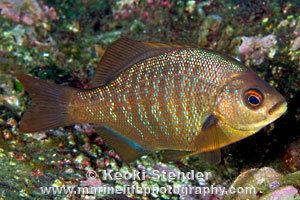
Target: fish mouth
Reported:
point(273, 114)
point(278, 109)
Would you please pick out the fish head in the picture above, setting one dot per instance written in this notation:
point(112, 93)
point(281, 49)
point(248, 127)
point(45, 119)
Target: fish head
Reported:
point(247, 103)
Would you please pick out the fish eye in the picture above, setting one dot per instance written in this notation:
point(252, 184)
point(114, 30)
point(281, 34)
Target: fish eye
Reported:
point(253, 98)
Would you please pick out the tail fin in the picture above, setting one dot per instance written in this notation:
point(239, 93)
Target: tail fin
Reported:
point(49, 107)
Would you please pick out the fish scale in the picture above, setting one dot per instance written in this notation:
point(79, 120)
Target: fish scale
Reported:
point(178, 101)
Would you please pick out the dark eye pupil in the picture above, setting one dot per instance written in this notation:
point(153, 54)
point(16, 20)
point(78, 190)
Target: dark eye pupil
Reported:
point(253, 100)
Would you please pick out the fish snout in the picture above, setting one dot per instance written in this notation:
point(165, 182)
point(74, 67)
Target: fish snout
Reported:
point(278, 109)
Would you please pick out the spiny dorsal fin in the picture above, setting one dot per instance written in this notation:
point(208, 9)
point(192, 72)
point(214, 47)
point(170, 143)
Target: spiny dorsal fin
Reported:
point(158, 45)
point(121, 55)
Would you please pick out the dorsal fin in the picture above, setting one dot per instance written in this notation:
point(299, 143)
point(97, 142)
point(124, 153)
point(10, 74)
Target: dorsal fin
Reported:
point(121, 55)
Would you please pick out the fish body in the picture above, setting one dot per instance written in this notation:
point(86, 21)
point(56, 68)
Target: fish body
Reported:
point(161, 97)
point(161, 101)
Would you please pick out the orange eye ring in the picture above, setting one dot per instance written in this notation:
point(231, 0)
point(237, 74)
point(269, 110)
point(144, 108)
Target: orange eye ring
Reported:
point(253, 98)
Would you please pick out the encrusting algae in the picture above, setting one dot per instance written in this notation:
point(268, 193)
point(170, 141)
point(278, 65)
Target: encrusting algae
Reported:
point(150, 96)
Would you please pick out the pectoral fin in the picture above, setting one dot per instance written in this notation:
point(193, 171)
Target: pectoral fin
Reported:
point(213, 137)
point(126, 148)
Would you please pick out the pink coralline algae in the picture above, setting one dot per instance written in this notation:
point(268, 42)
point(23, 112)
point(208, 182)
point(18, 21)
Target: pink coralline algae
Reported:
point(132, 8)
point(256, 49)
point(91, 182)
point(27, 12)
point(287, 192)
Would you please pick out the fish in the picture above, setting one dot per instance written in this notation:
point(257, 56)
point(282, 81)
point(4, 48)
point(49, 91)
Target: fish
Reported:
point(150, 96)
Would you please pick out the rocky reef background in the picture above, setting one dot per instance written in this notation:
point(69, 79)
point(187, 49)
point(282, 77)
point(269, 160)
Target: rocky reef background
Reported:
point(63, 41)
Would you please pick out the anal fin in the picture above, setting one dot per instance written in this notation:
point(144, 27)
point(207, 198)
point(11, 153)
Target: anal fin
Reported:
point(126, 148)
